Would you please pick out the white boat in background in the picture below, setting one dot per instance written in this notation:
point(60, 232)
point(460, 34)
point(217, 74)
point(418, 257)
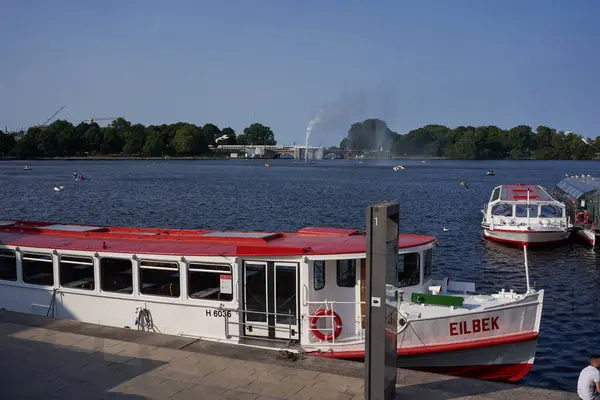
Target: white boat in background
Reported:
point(399, 167)
point(300, 291)
point(528, 214)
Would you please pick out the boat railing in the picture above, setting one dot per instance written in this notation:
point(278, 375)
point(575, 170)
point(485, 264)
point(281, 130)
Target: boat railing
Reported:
point(498, 220)
point(288, 330)
point(329, 307)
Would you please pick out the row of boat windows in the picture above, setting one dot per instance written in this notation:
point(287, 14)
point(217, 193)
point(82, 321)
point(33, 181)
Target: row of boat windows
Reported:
point(157, 278)
point(520, 210)
point(408, 270)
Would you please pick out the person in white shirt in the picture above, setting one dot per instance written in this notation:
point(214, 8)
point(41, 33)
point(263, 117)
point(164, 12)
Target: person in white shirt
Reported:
point(588, 385)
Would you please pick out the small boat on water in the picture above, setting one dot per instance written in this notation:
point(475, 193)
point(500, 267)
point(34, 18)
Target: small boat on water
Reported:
point(27, 168)
point(399, 167)
point(525, 214)
point(491, 172)
point(301, 291)
point(581, 196)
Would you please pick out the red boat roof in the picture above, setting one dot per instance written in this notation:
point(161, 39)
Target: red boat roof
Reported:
point(182, 242)
point(518, 192)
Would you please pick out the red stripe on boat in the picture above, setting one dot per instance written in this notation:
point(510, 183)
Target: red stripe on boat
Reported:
point(496, 229)
point(495, 372)
point(439, 348)
point(520, 242)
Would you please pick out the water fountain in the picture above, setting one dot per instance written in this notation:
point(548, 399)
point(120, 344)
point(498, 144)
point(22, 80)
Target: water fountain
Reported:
point(314, 120)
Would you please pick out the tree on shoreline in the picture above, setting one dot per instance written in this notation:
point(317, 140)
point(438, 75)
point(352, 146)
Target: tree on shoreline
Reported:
point(257, 134)
point(62, 139)
point(471, 143)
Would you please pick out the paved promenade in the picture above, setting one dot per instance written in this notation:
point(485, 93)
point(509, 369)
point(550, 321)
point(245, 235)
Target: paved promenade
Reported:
point(42, 358)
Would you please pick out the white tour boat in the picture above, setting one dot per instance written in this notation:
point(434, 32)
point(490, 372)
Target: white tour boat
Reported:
point(302, 291)
point(525, 214)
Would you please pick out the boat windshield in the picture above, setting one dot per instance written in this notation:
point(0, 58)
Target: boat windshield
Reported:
point(551, 211)
point(409, 269)
point(521, 210)
point(502, 210)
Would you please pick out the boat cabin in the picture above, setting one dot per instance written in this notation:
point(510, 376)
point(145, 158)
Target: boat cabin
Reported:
point(581, 196)
point(239, 287)
point(519, 204)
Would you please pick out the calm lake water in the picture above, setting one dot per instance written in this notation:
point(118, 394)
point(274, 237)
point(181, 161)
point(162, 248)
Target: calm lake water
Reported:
point(243, 194)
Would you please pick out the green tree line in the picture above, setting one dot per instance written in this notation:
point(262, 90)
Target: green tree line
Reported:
point(472, 142)
point(63, 139)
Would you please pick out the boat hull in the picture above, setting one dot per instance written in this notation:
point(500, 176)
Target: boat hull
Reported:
point(503, 362)
point(529, 237)
point(587, 235)
point(496, 343)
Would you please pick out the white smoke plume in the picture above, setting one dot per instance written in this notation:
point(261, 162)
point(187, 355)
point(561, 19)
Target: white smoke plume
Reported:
point(313, 121)
point(334, 118)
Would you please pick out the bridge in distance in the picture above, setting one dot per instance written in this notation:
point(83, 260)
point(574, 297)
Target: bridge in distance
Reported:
point(277, 151)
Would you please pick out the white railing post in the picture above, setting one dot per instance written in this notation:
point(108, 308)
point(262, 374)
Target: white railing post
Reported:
point(526, 267)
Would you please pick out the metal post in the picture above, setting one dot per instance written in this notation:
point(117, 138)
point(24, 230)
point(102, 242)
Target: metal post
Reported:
point(526, 267)
point(381, 301)
point(528, 205)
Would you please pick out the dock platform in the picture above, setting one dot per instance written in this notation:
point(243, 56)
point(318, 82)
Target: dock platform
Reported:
point(45, 358)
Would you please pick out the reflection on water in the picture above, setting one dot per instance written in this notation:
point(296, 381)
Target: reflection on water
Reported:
point(243, 194)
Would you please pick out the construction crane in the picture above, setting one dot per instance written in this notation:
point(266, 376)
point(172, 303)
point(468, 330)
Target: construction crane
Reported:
point(94, 119)
point(53, 115)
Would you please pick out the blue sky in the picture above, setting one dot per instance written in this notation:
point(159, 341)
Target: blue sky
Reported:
point(231, 63)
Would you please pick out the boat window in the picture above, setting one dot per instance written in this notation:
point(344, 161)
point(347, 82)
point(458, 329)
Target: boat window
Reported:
point(521, 210)
point(346, 273)
point(319, 274)
point(495, 194)
point(286, 292)
point(8, 265)
point(502, 210)
point(409, 269)
point(76, 272)
point(115, 275)
point(210, 282)
point(551, 211)
point(38, 269)
point(428, 269)
point(159, 278)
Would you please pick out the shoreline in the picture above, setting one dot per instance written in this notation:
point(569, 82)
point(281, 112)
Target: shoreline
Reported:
point(129, 158)
point(208, 158)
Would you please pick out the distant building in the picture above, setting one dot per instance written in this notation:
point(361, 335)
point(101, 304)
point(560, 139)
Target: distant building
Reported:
point(17, 134)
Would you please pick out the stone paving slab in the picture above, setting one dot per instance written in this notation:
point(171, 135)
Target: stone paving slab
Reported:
point(42, 358)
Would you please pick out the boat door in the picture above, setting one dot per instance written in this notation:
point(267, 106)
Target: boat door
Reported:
point(271, 299)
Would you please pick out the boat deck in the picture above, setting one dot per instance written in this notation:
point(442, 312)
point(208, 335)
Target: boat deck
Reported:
point(472, 302)
point(71, 360)
point(518, 192)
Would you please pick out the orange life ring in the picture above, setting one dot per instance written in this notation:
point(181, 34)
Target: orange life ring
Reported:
point(318, 334)
point(579, 220)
